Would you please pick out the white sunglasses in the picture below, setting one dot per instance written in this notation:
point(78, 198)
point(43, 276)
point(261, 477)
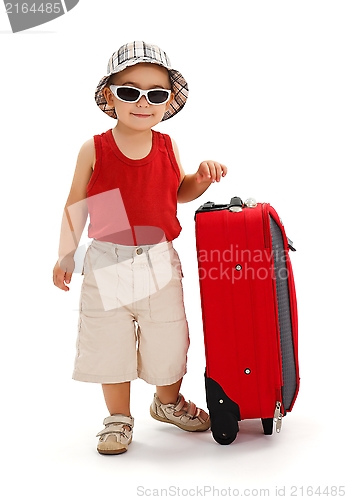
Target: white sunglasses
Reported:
point(133, 94)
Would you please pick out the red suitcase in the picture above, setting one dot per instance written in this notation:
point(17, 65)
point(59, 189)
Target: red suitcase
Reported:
point(249, 315)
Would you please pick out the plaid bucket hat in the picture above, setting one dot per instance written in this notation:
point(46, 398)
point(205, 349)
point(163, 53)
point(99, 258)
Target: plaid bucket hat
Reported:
point(141, 52)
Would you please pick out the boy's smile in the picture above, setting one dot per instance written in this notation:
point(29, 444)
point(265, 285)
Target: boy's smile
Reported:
point(138, 115)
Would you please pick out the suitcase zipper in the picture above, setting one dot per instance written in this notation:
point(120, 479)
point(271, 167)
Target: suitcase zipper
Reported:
point(278, 417)
point(268, 244)
point(266, 225)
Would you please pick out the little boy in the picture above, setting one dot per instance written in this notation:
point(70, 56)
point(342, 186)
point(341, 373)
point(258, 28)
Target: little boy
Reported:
point(129, 179)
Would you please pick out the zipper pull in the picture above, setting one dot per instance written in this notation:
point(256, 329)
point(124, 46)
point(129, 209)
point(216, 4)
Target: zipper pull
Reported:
point(279, 423)
point(278, 416)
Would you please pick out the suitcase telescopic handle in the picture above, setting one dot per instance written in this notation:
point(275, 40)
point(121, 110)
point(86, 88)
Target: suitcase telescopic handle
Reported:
point(235, 205)
point(210, 206)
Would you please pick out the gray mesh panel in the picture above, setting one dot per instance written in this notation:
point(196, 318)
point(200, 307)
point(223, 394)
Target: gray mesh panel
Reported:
point(287, 348)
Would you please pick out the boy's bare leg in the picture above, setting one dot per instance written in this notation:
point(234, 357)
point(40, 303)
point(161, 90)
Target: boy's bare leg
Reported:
point(117, 398)
point(169, 393)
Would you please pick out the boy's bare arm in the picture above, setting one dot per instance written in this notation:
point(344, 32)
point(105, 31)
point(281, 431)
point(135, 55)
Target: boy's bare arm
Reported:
point(74, 216)
point(193, 185)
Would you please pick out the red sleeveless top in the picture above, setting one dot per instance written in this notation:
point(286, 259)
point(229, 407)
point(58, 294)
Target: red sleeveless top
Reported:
point(133, 202)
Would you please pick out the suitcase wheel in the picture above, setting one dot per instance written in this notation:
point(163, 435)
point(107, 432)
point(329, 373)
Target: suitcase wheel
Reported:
point(224, 427)
point(268, 424)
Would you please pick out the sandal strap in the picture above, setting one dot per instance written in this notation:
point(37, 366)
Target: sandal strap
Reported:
point(199, 414)
point(180, 403)
point(116, 429)
point(118, 418)
point(191, 411)
point(189, 408)
point(115, 424)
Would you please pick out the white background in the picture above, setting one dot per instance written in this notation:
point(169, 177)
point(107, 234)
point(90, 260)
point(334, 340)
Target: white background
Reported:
point(267, 84)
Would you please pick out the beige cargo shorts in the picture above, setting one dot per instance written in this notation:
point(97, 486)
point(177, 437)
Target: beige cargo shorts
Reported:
point(132, 322)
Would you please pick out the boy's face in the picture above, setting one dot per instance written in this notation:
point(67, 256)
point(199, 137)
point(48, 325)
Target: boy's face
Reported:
point(140, 115)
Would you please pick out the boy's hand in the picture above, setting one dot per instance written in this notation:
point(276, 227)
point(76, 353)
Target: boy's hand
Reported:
point(62, 276)
point(210, 171)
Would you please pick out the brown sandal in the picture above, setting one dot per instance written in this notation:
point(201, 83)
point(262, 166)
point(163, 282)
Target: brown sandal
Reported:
point(182, 413)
